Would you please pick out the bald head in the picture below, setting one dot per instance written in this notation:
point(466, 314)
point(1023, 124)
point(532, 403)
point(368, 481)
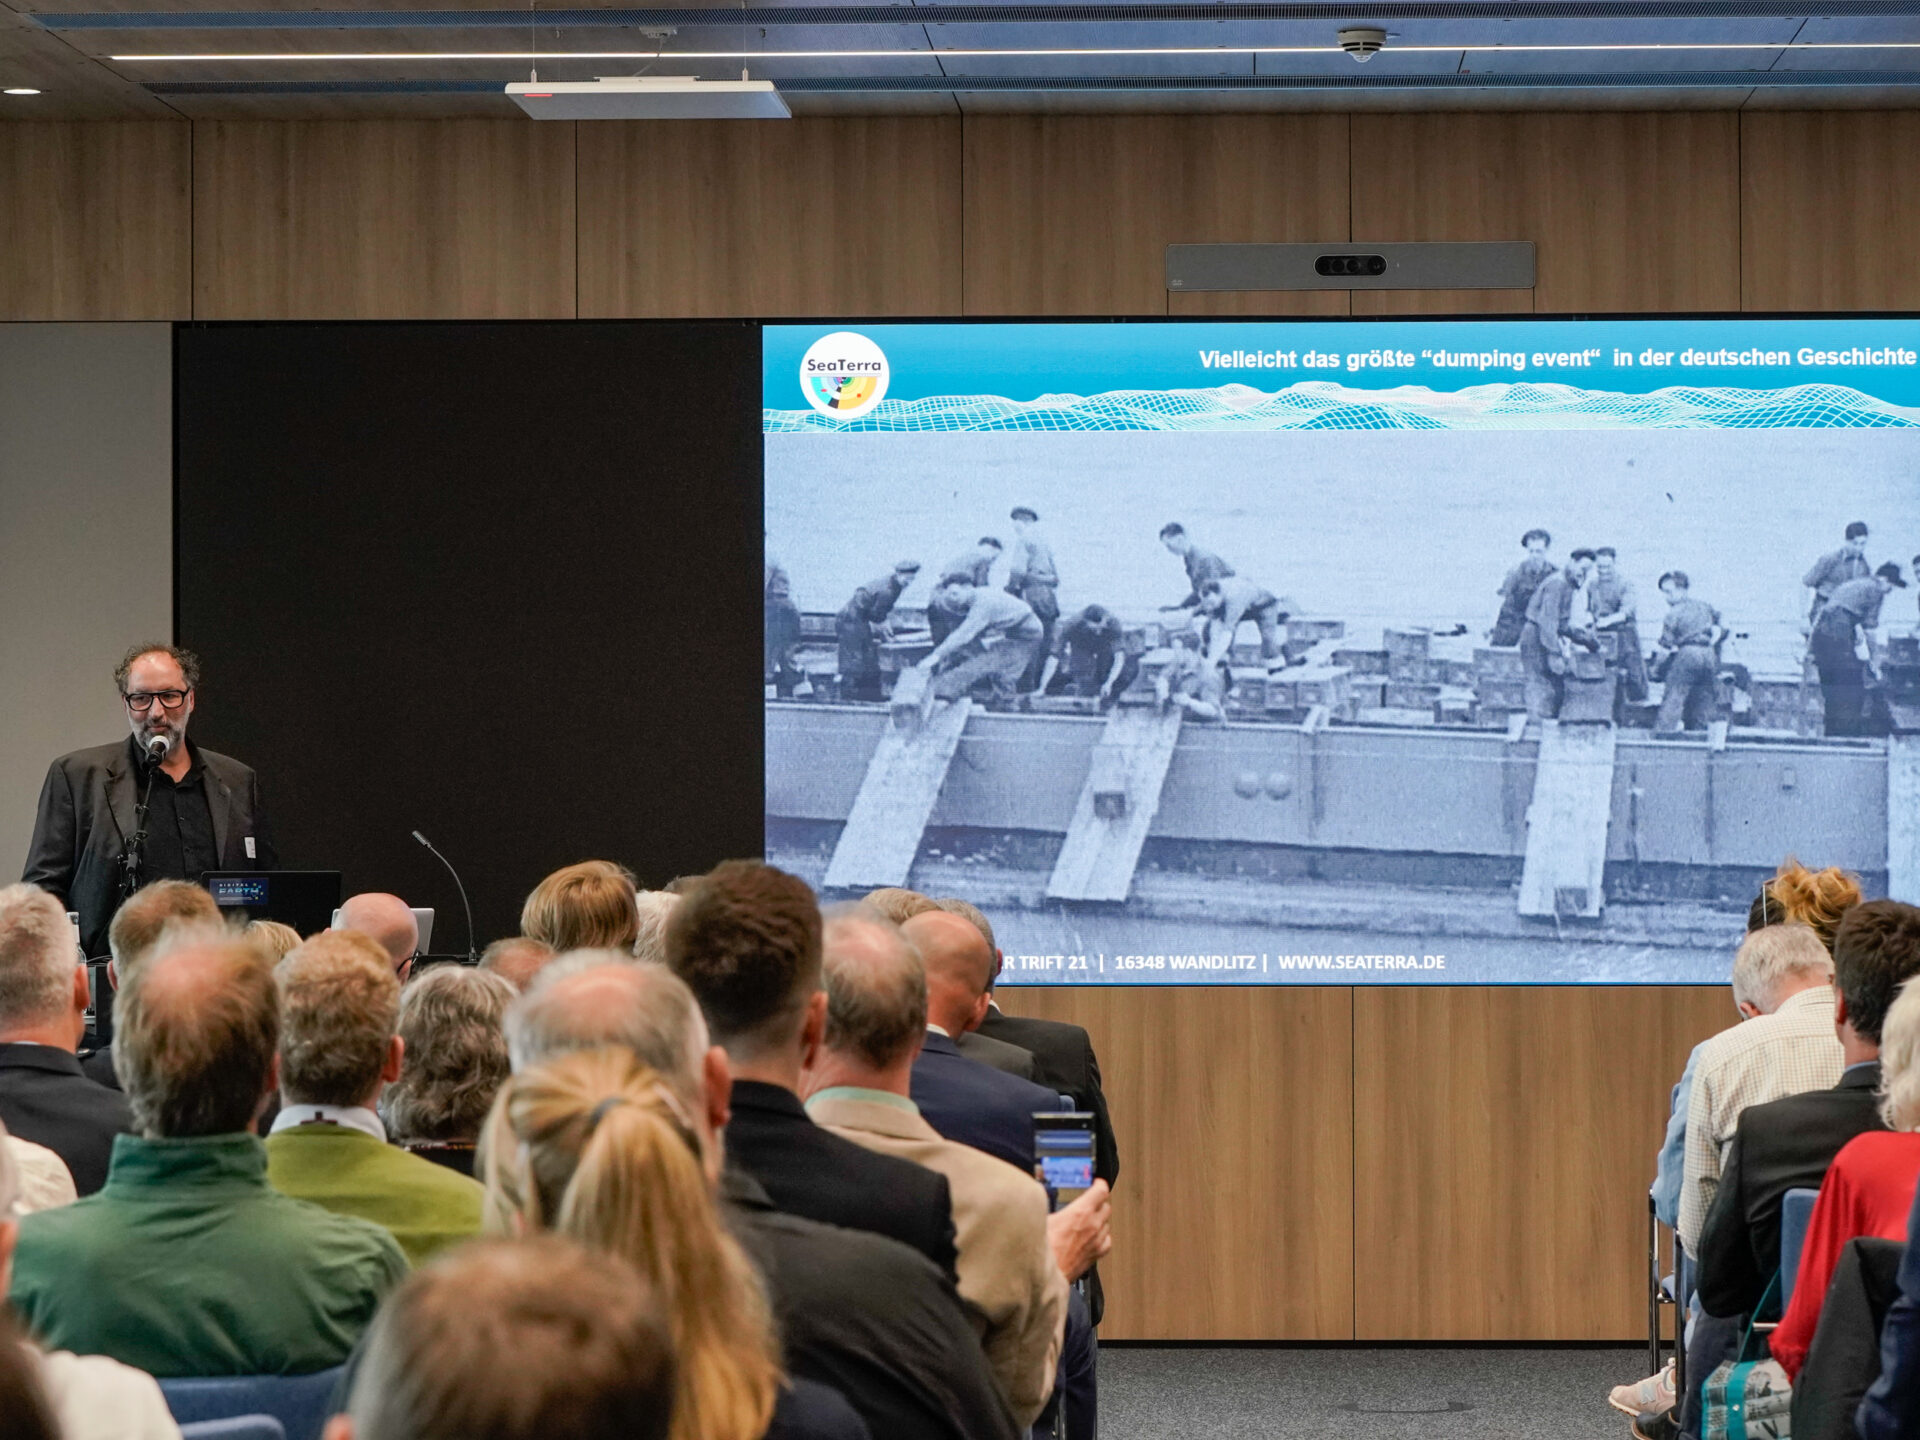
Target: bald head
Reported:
point(517, 960)
point(876, 997)
point(959, 968)
point(194, 1034)
point(386, 920)
point(595, 999)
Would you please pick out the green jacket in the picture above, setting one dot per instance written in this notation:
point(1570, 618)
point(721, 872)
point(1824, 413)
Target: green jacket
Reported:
point(189, 1263)
point(426, 1206)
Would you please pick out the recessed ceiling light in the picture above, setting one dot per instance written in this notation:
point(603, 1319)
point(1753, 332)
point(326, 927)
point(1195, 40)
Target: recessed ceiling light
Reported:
point(20, 90)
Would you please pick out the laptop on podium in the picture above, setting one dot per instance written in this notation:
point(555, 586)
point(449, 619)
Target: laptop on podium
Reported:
point(304, 899)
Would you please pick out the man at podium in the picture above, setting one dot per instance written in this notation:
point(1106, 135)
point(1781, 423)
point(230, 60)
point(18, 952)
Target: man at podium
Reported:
point(154, 806)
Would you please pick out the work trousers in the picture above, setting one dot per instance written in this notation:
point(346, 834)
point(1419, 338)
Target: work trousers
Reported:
point(1691, 695)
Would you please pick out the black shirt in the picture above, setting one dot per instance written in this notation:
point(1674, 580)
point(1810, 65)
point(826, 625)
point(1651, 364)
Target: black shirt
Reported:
point(179, 822)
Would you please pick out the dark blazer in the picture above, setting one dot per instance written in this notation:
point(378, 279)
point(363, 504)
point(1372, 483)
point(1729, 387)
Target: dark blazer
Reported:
point(1063, 1060)
point(818, 1175)
point(44, 1098)
point(1782, 1145)
point(1891, 1409)
point(1844, 1358)
point(1000, 1054)
point(872, 1319)
point(86, 815)
point(977, 1105)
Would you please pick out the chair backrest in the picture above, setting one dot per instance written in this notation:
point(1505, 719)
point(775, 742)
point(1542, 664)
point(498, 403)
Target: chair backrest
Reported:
point(1796, 1210)
point(299, 1402)
point(235, 1427)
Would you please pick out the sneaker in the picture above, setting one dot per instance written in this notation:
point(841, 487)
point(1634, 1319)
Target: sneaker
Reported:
point(1654, 1427)
point(1651, 1396)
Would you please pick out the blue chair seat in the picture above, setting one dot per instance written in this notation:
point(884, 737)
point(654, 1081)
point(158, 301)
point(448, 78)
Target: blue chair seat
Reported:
point(235, 1427)
point(1796, 1211)
point(298, 1402)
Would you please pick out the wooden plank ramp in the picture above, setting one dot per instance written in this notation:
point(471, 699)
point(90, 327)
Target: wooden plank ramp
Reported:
point(1117, 805)
point(1567, 820)
point(903, 780)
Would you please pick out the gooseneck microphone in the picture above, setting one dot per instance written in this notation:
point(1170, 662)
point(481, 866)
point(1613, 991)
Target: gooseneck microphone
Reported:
point(473, 955)
point(157, 748)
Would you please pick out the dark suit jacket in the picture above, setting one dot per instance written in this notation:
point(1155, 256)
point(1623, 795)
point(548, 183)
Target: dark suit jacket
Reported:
point(1779, 1146)
point(1891, 1409)
point(1000, 1054)
point(1063, 1060)
point(977, 1105)
point(818, 1175)
point(86, 815)
point(874, 1320)
point(1844, 1358)
point(44, 1098)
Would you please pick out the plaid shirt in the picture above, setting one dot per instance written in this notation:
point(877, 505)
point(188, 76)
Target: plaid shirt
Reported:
point(1791, 1051)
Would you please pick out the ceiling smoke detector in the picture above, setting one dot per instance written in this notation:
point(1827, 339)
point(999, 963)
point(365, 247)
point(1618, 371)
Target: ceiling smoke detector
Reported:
point(1362, 42)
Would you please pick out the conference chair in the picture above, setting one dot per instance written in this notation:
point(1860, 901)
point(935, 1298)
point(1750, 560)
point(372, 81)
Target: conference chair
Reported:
point(1796, 1212)
point(296, 1403)
point(1665, 1292)
point(235, 1427)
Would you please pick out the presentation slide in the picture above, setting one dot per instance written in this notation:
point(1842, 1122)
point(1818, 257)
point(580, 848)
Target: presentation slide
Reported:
point(1361, 652)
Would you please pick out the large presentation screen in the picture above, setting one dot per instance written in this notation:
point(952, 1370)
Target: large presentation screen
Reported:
point(1307, 652)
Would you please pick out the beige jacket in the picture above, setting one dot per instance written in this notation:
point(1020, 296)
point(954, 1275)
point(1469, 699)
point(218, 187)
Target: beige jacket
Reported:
point(1006, 1266)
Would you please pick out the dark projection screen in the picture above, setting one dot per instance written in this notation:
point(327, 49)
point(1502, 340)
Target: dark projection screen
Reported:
point(491, 581)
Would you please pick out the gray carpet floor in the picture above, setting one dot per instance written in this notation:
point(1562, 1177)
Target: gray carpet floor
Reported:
point(1228, 1394)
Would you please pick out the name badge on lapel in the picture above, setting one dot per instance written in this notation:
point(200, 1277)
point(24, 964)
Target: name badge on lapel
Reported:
point(250, 854)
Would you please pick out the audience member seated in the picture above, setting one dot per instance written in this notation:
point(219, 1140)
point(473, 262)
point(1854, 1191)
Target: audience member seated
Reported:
point(535, 1339)
point(656, 908)
point(963, 1100)
point(188, 1262)
point(273, 940)
point(1868, 1190)
point(516, 959)
point(45, 1097)
point(589, 906)
point(453, 1027)
point(1891, 1409)
point(858, 1312)
point(339, 1010)
point(859, 1085)
point(136, 931)
point(91, 1397)
point(42, 1180)
point(896, 904)
point(746, 940)
point(1783, 984)
point(388, 921)
point(1788, 1143)
point(601, 1148)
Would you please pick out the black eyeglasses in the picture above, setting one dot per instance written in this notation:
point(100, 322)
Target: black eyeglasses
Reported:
point(141, 701)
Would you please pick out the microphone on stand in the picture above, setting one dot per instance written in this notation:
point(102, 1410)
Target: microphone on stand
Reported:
point(156, 748)
point(473, 955)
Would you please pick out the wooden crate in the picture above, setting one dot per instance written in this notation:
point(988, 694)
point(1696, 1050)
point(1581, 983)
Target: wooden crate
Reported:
point(1589, 699)
point(1407, 653)
point(1411, 695)
point(1498, 662)
point(1312, 632)
point(1501, 694)
point(1362, 662)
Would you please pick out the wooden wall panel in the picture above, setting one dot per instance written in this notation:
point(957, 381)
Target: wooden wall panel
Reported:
point(1504, 1139)
point(1234, 1212)
point(1627, 211)
point(95, 220)
point(1071, 215)
point(401, 219)
point(1829, 210)
point(816, 217)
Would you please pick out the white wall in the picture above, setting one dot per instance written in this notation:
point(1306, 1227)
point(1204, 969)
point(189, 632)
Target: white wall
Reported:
point(86, 541)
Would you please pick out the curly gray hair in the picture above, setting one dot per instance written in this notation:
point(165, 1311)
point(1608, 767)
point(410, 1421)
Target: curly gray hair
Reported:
point(453, 1022)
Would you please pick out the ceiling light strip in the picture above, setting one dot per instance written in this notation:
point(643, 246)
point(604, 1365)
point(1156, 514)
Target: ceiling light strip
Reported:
point(962, 84)
point(938, 13)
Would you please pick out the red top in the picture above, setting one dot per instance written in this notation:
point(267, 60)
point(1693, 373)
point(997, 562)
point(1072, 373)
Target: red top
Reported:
point(1868, 1192)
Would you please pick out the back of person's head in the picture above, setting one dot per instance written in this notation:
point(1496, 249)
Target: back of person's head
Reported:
point(272, 939)
point(600, 1148)
point(656, 908)
point(747, 941)
point(1773, 962)
point(517, 959)
point(535, 1339)
point(876, 991)
point(194, 1031)
point(597, 999)
point(1814, 897)
point(970, 913)
point(24, 1406)
point(37, 958)
point(896, 904)
point(385, 919)
point(138, 925)
point(339, 1005)
point(1900, 1061)
point(958, 964)
point(453, 1023)
point(1875, 952)
point(588, 906)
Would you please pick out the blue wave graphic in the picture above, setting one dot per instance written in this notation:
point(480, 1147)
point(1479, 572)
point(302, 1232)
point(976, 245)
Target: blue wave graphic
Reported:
point(1328, 405)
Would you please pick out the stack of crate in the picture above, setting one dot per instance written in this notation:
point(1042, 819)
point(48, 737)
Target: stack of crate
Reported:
point(1412, 683)
point(1366, 676)
point(1787, 704)
point(1499, 684)
point(1293, 692)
